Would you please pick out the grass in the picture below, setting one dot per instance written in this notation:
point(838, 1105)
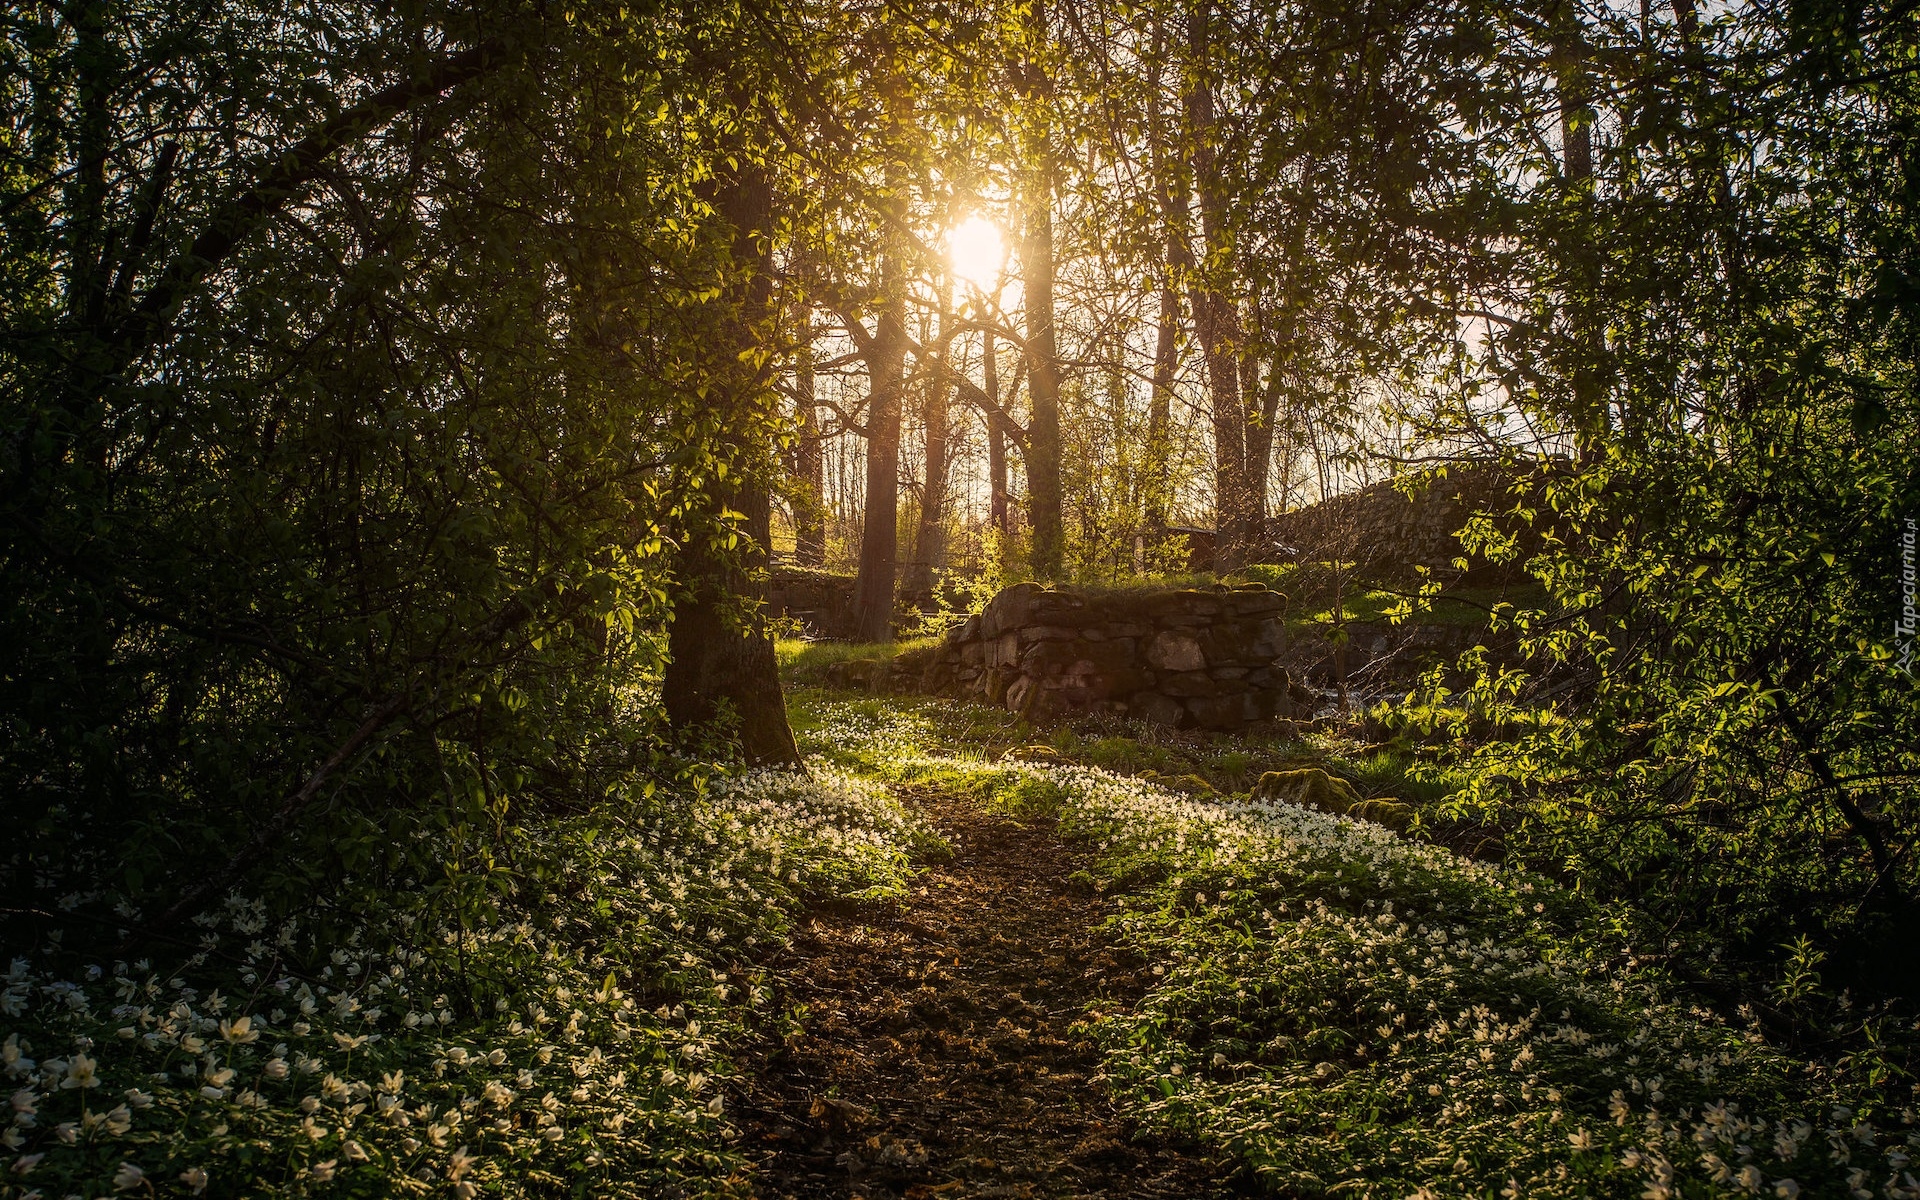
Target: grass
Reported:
point(1189, 760)
point(1349, 1013)
point(1311, 587)
point(808, 661)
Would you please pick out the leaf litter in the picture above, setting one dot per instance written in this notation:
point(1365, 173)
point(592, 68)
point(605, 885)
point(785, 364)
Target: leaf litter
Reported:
point(940, 1053)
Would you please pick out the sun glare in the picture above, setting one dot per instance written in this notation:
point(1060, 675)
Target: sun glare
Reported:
point(977, 251)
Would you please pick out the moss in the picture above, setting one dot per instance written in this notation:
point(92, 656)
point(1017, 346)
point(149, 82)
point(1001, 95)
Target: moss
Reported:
point(1309, 786)
point(1038, 753)
point(1193, 785)
point(1391, 813)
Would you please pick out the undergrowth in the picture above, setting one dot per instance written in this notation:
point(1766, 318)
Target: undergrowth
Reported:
point(1351, 1013)
point(567, 1037)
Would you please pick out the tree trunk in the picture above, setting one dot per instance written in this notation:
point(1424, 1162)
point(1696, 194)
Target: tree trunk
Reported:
point(880, 535)
point(880, 531)
point(809, 505)
point(1166, 363)
point(930, 538)
point(720, 660)
point(1570, 87)
point(1214, 320)
point(1260, 451)
point(1036, 265)
point(1166, 350)
point(996, 443)
point(1590, 415)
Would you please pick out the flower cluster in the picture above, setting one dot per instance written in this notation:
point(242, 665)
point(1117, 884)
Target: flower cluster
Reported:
point(1341, 1008)
point(570, 1035)
point(1344, 1010)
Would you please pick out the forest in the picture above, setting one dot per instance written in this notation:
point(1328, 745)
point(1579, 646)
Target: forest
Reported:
point(1360, 616)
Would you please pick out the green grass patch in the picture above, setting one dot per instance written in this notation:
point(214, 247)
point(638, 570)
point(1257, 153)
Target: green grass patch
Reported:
point(807, 661)
point(1314, 589)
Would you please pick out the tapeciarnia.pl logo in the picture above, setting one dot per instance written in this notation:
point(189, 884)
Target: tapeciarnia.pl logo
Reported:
point(1906, 627)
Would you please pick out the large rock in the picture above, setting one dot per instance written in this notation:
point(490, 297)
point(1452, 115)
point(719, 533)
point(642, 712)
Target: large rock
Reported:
point(1172, 651)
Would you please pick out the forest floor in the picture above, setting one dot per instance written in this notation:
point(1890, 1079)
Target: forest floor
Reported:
point(942, 1053)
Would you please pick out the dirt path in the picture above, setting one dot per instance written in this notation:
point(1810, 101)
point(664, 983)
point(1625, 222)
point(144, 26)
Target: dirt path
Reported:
point(940, 1058)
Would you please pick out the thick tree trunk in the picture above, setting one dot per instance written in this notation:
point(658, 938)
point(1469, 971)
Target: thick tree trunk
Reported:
point(880, 532)
point(1214, 319)
point(1166, 350)
point(720, 656)
point(1590, 417)
point(720, 660)
point(1260, 450)
point(1166, 364)
point(1036, 265)
point(1576, 117)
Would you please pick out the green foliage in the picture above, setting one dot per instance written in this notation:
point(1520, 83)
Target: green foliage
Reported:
point(1349, 1013)
point(955, 597)
point(565, 1031)
point(1705, 345)
point(341, 506)
point(806, 662)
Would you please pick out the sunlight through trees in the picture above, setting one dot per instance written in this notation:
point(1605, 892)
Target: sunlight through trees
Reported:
point(416, 423)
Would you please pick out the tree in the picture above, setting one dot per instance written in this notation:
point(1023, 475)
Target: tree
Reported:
point(885, 353)
point(930, 533)
point(343, 475)
point(809, 483)
point(1215, 319)
point(720, 656)
point(1036, 263)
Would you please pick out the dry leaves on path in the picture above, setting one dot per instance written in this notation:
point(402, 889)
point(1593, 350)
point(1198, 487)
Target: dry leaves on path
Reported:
point(939, 1057)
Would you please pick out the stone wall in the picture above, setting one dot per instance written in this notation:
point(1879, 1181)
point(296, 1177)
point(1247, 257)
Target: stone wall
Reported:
point(820, 599)
point(1206, 658)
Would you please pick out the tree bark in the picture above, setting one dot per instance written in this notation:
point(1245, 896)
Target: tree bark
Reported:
point(1590, 416)
point(997, 510)
point(1036, 265)
point(1571, 88)
point(720, 659)
point(880, 534)
point(1166, 350)
point(1260, 450)
point(930, 538)
point(1214, 319)
point(880, 531)
point(809, 468)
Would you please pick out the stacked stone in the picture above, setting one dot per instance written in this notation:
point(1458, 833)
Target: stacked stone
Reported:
point(822, 600)
point(1174, 657)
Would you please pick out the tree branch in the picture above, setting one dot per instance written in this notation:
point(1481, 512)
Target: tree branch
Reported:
point(245, 213)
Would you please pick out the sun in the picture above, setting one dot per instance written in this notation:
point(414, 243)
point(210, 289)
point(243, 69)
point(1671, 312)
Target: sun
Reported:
point(977, 251)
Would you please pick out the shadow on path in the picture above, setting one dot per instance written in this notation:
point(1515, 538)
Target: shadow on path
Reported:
point(940, 1057)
